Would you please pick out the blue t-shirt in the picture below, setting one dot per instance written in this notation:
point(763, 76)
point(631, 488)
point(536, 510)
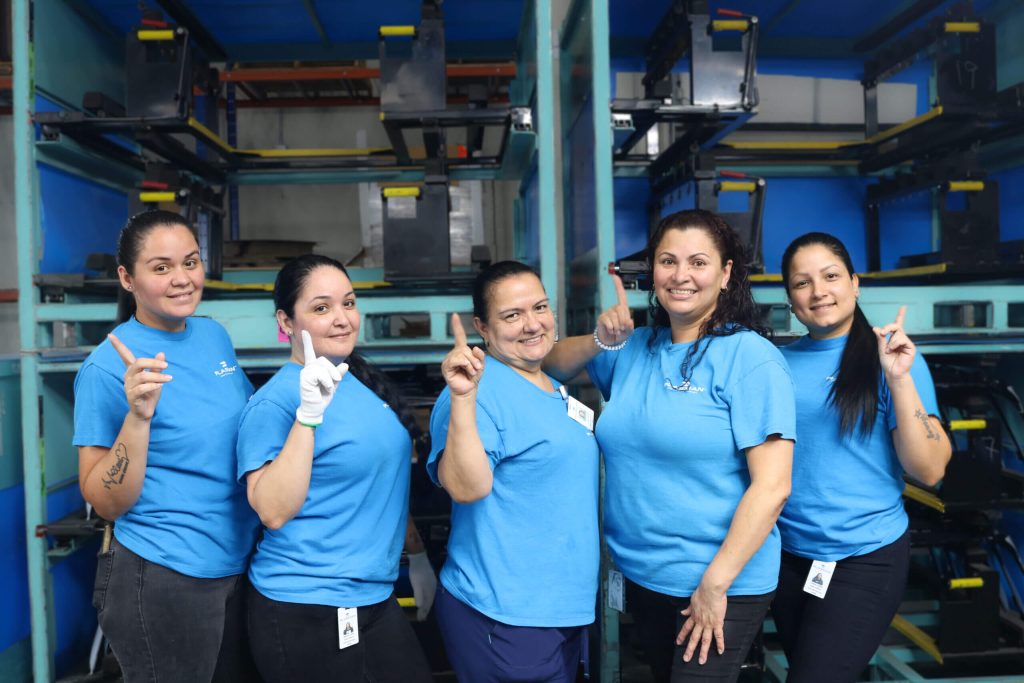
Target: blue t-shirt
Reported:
point(343, 546)
point(191, 515)
point(527, 554)
point(847, 494)
point(675, 469)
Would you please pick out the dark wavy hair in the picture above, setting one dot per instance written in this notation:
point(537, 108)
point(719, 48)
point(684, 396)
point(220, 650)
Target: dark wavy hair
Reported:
point(290, 280)
point(855, 391)
point(490, 276)
point(129, 244)
point(735, 309)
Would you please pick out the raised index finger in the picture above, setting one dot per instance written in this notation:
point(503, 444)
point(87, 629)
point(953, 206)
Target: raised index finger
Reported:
point(458, 332)
point(126, 356)
point(620, 291)
point(308, 354)
point(901, 315)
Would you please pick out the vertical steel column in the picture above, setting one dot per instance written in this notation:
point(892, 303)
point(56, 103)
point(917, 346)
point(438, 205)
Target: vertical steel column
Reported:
point(232, 120)
point(604, 212)
point(26, 230)
point(546, 140)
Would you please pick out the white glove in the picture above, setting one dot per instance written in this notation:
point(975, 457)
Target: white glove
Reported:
point(317, 381)
point(424, 583)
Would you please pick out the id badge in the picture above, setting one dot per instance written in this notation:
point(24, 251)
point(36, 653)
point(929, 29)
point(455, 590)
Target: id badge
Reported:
point(579, 412)
point(348, 627)
point(819, 577)
point(616, 598)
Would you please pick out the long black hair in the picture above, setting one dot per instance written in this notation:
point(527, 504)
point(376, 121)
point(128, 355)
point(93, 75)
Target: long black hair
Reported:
point(129, 244)
point(487, 278)
point(290, 281)
point(855, 391)
point(735, 309)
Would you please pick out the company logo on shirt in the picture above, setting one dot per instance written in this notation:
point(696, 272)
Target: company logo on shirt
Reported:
point(225, 369)
point(686, 386)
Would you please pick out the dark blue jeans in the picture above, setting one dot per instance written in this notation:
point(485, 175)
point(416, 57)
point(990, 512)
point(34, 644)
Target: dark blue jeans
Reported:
point(482, 650)
point(833, 638)
point(294, 642)
point(166, 627)
point(658, 619)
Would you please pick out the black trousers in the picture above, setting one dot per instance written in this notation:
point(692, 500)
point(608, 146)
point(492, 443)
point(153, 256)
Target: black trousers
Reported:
point(658, 618)
point(833, 638)
point(295, 642)
point(166, 626)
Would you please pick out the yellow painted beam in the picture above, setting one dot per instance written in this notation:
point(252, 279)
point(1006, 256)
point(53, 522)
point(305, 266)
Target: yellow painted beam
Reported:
point(737, 186)
point(924, 497)
point(389, 192)
point(966, 186)
point(906, 125)
point(963, 27)
point(968, 582)
point(917, 637)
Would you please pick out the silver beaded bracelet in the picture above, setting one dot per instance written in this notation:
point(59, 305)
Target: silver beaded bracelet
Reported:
point(605, 347)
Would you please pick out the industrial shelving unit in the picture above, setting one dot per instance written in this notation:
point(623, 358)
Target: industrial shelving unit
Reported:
point(60, 318)
point(958, 312)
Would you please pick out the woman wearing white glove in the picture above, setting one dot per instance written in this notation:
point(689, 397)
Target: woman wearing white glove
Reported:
point(324, 450)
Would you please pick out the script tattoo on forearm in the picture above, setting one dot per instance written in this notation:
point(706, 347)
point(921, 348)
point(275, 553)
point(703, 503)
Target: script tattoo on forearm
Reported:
point(926, 421)
point(115, 474)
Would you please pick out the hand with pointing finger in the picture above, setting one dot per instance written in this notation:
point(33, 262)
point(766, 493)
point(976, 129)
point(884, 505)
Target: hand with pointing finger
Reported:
point(143, 379)
point(318, 379)
point(463, 366)
point(895, 350)
point(615, 325)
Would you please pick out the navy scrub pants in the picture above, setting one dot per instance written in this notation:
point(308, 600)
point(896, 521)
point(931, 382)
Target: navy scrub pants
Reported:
point(482, 650)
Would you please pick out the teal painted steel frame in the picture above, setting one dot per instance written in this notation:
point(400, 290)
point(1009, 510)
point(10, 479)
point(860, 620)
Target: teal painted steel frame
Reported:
point(27, 232)
point(544, 123)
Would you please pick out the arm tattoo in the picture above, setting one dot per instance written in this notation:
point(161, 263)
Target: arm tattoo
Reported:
point(926, 421)
point(115, 475)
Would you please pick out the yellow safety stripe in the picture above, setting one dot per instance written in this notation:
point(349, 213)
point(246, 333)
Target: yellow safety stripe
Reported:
point(151, 34)
point(730, 25)
point(896, 130)
point(389, 192)
point(957, 425)
point(791, 144)
point(393, 31)
point(966, 186)
point(150, 197)
point(963, 27)
point(968, 582)
point(737, 186)
point(209, 134)
point(934, 269)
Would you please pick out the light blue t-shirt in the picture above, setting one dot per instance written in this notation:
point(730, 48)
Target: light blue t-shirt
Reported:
point(528, 553)
point(343, 546)
point(847, 494)
point(675, 469)
point(191, 515)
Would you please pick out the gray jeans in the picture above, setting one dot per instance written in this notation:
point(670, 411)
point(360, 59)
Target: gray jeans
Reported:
point(166, 627)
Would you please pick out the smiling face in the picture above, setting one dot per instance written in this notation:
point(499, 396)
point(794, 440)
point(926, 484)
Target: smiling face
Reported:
point(688, 275)
point(326, 308)
point(166, 279)
point(520, 326)
point(822, 291)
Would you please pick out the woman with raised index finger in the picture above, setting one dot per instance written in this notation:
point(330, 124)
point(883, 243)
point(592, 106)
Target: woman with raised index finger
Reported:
point(325, 453)
point(518, 457)
point(866, 413)
point(697, 438)
point(156, 417)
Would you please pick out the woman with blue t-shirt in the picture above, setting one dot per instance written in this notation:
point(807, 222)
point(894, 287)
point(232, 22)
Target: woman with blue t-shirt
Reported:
point(519, 459)
point(697, 438)
point(156, 446)
point(324, 449)
point(865, 415)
